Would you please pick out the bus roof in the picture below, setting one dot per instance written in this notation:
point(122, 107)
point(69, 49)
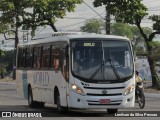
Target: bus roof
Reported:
point(66, 36)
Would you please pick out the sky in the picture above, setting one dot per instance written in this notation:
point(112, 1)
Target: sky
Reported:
point(73, 21)
point(83, 12)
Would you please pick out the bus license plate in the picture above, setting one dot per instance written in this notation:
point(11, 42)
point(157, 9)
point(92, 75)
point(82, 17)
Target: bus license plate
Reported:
point(104, 101)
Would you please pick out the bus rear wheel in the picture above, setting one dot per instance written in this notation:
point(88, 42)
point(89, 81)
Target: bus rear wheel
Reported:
point(31, 103)
point(40, 104)
point(112, 111)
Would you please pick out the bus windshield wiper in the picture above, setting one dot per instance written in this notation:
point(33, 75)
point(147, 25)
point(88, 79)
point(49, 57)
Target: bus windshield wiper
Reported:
point(98, 69)
point(113, 66)
point(101, 66)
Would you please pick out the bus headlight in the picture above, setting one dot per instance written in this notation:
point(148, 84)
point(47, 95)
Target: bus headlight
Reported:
point(77, 89)
point(129, 90)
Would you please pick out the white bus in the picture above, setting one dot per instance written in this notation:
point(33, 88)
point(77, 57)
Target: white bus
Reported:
point(77, 70)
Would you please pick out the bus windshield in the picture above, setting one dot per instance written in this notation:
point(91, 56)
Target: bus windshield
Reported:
point(102, 60)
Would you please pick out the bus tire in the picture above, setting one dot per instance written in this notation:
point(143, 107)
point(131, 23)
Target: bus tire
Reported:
point(59, 107)
point(112, 111)
point(40, 104)
point(31, 103)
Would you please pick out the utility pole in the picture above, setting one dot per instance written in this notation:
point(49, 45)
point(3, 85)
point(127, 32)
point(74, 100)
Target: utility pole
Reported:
point(16, 4)
point(1, 64)
point(107, 21)
point(33, 18)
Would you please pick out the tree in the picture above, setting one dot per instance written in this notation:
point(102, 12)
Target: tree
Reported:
point(46, 12)
point(1, 66)
point(3, 27)
point(7, 60)
point(122, 30)
point(132, 12)
point(132, 32)
point(33, 13)
point(93, 26)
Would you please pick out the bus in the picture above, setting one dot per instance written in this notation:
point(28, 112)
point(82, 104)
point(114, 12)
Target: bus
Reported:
point(77, 70)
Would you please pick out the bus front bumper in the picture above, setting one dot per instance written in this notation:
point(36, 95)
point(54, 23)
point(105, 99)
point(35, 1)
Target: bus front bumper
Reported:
point(100, 102)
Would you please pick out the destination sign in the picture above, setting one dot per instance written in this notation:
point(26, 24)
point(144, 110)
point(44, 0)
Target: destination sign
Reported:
point(89, 44)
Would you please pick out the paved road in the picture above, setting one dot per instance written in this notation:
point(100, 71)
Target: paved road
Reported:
point(9, 101)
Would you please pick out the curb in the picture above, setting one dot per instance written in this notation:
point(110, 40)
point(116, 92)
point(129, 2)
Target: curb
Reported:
point(7, 83)
point(152, 95)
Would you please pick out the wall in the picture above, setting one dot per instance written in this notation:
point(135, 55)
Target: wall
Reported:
point(142, 66)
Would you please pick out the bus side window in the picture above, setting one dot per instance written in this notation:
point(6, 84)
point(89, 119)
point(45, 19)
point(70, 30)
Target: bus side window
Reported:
point(45, 56)
point(40, 57)
point(28, 58)
point(20, 58)
point(66, 64)
point(37, 57)
point(34, 57)
point(56, 59)
point(62, 61)
point(24, 57)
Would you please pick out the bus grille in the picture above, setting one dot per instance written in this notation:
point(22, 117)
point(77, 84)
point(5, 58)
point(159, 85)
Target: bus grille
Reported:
point(98, 91)
point(107, 88)
point(115, 102)
point(92, 94)
point(104, 104)
point(106, 92)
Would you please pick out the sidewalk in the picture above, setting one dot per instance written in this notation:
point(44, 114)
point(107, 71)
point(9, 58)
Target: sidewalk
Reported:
point(148, 88)
point(7, 80)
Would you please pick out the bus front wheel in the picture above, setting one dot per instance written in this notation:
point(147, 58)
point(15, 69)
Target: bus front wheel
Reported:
point(59, 107)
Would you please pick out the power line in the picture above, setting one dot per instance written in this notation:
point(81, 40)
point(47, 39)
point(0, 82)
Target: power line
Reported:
point(93, 9)
point(79, 22)
point(74, 18)
point(77, 18)
point(40, 31)
point(74, 24)
point(84, 13)
point(89, 18)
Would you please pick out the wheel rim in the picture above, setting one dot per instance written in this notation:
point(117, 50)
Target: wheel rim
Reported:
point(30, 98)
